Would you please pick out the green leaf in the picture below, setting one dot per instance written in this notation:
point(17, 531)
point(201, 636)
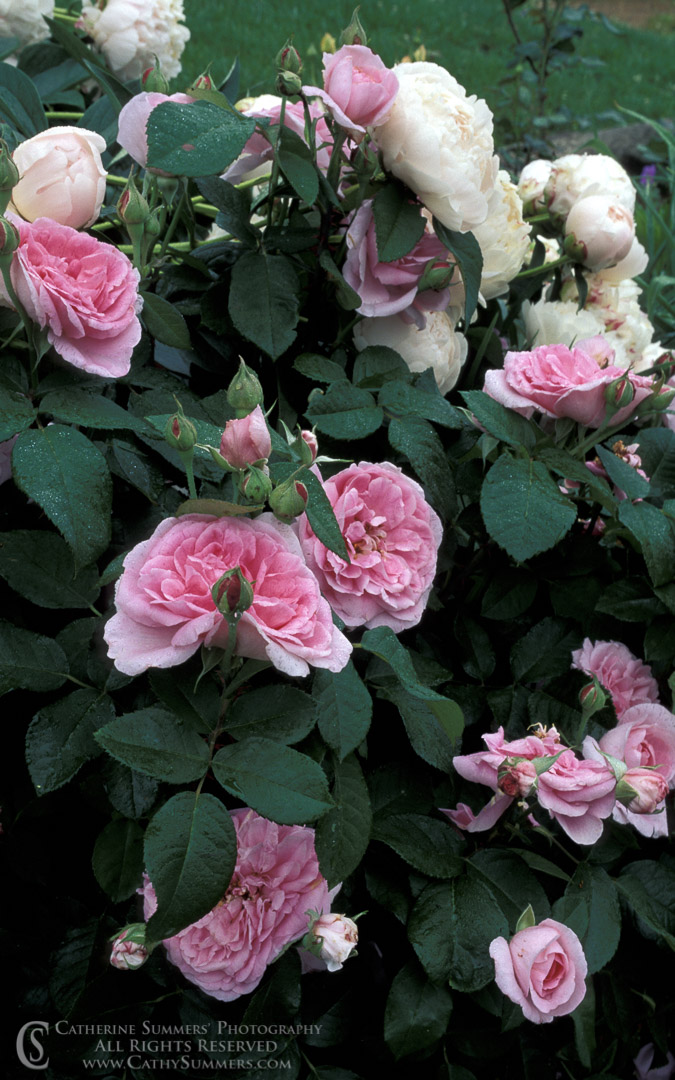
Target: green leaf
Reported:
point(345, 412)
point(416, 1014)
point(477, 652)
point(544, 651)
point(343, 833)
point(429, 737)
point(399, 224)
point(345, 708)
point(321, 516)
point(136, 468)
point(655, 534)
point(631, 600)
point(131, 793)
point(60, 737)
point(164, 322)
point(417, 440)
point(590, 907)
point(297, 164)
point(89, 410)
point(17, 413)
point(428, 845)
point(92, 62)
point(469, 257)
point(347, 298)
point(68, 478)
point(20, 102)
point(278, 782)
point(505, 424)
point(234, 206)
point(564, 465)
point(29, 661)
point(378, 364)
point(195, 140)
point(523, 509)
point(511, 884)
point(584, 1026)
point(451, 928)
point(263, 301)
point(69, 966)
point(117, 860)
point(623, 475)
point(153, 741)
point(400, 399)
point(649, 889)
point(508, 595)
point(657, 451)
point(198, 706)
point(190, 854)
point(40, 566)
point(319, 368)
point(281, 713)
point(383, 643)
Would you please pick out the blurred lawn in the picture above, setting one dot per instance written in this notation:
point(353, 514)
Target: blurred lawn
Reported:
point(470, 37)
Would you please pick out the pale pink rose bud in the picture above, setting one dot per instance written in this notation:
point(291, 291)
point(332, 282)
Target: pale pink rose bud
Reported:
point(62, 176)
point(128, 949)
point(542, 969)
point(247, 440)
point(312, 442)
point(515, 778)
point(641, 790)
point(338, 936)
point(599, 231)
point(358, 88)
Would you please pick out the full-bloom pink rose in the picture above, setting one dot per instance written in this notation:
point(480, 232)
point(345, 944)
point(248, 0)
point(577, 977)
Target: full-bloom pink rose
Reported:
point(626, 679)
point(542, 969)
point(387, 288)
point(392, 537)
point(85, 292)
point(562, 382)
point(276, 882)
point(358, 88)
point(132, 130)
point(165, 610)
point(246, 440)
point(61, 176)
point(579, 794)
point(258, 153)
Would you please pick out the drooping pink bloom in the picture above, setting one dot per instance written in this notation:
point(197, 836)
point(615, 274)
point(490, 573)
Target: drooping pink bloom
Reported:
point(165, 610)
point(626, 679)
point(542, 969)
point(246, 440)
point(276, 882)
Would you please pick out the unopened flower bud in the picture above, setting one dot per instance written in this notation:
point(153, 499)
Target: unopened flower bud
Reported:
point(619, 393)
point(202, 82)
point(437, 275)
point(132, 208)
point(232, 593)
point(312, 443)
point(592, 698)
point(288, 58)
point(152, 80)
point(515, 778)
point(328, 43)
point(9, 176)
point(128, 950)
point(180, 433)
point(9, 237)
point(599, 231)
point(246, 440)
point(354, 34)
point(288, 500)
point(255, 485)
point(338, 936)
point(641, 790)
point(288, 84)
point(658, 402)
point(245, 391)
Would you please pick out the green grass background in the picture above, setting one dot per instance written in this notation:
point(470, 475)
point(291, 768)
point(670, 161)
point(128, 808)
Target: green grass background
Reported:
point(469, 37)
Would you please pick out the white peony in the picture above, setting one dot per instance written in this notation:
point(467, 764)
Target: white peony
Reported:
point(24, 19)
point(439, 142)
point(504, 238)
point(532, 183)
point(575, 176)
point(630, 266)
point(437, 346)
point(130, 33)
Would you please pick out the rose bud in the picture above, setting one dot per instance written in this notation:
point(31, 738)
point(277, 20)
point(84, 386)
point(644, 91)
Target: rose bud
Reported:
point(288, 58)
point(153, 82)
point(180, 433)
point(338, 936)
point(9, 238)
point(641, 790)
point(515, 778)
point(532, 183)
point(255, 485)
point(354, 34)
point(599, 232)
point(202, 82)
point(311, 441)
point(619, 393)
point(288, 84)
point(245, 391)
point(62, 176)
point(288, 500)
point(246, 440)
point(9, 175)
point(128, 949)
point(232, 593)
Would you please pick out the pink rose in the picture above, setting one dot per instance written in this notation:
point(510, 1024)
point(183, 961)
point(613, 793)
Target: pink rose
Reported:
point(626, 679)
point(483, 767)
point(258, 153)
point(338, 935)
point(246, 440)
point(542, 969)
point(516, 778)
point(132, 133)
point(165, 611)
point(579, 794)
point(358, 88)
point(562, 382)
point(387, 288)
point(392, 536)
point(276, 882)
point(61, 176)
point(6, 458)
point(85, 292)
point(650, 789)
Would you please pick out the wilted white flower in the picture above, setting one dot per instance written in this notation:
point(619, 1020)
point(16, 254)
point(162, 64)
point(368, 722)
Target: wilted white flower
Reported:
point(575, 176)
point(437, 346)
point(131, 33)
point(532, 183)
point(504, 238)
point(23, 19)
point(439, 142)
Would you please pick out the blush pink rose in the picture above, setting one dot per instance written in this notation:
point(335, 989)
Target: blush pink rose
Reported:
point(542, 969)
point(392, 536)
point(276, 882)
point(61, 176)
point(626, 679)
point(388, 288)
point(562, 382)
point(165, 611)
point(579, 794)
point(358, 88)
point(258, 153)
point(246, 440)
point(132, 132)
point(85, 293)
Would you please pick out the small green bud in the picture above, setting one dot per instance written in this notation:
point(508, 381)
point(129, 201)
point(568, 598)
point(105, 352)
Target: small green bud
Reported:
point(354, 34)
point(437, 275)
point(619, 393)
point(180, 433)
point(288, 500)
point(152, 80)
point(202, 82)
point(9, 237)
point(255, 485)
point(132, 208)
point(288, 58)
point(592, 698)
point(9, 176)
point(245, 391)
point(288, 84)
point(232, 593)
